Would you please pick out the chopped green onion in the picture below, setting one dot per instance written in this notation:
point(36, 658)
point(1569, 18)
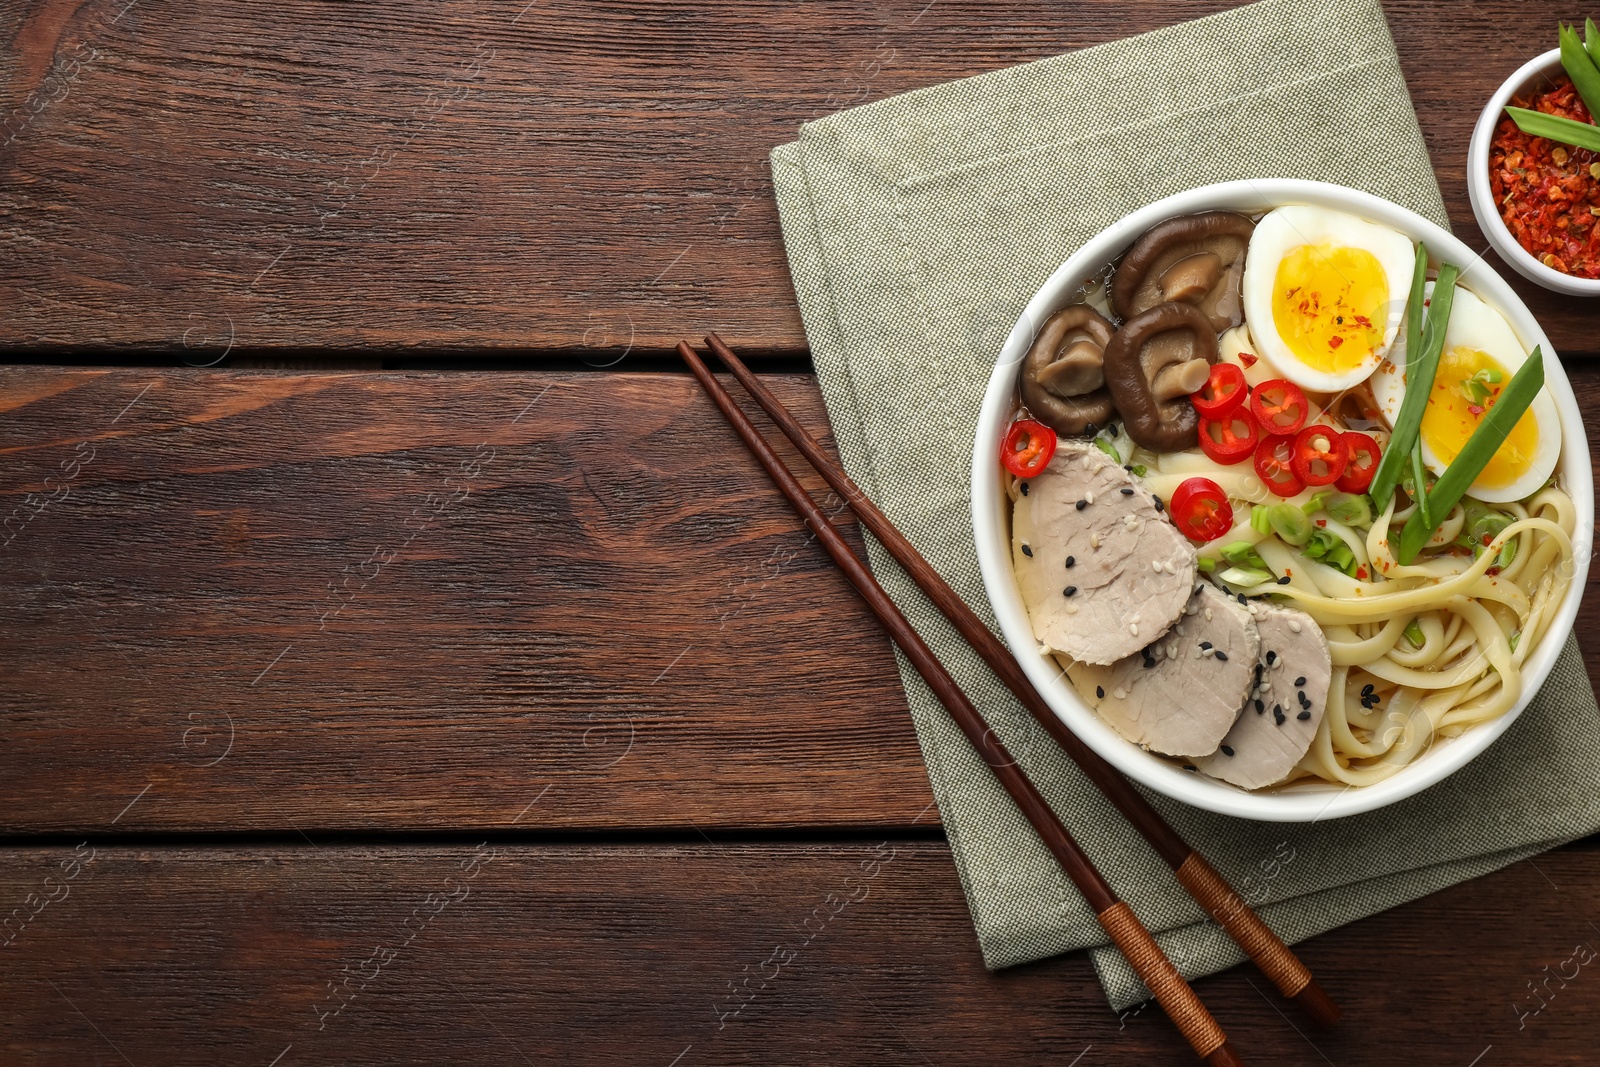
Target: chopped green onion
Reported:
point(1490, 434)
point(1508, 554)
point(1139, 470)
point(1315, 504)
point(1289, 523)
point(1591, 41)
point(1206, 564)
point(1238, 551)
point(1246, 576)
point(1352, 509)
point(1108, 448)
point(1476, 388)
point(1538, 124)
point(1518, 635)
point(1580, 68)
point(1340, 556)
point(1413, 632)
point(1419, 478)
point(1258, 519)
point(1422, 362)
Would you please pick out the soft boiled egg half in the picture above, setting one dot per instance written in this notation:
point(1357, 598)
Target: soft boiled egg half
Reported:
point(1480, 355)
point(1324, 293)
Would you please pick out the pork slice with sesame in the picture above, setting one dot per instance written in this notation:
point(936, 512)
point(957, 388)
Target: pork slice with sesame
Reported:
point(1180, 694)
point(1102, 570)
point(1282, 713)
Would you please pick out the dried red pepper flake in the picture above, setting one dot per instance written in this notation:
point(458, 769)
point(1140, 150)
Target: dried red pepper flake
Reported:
point(1549, 193)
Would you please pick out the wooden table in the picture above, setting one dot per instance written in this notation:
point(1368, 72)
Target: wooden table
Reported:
point(402, 663)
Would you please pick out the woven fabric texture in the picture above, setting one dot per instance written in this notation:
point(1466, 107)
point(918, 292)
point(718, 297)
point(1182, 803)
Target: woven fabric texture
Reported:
point(917, 227)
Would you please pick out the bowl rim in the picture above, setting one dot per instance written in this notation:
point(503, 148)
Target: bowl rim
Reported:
point(991, 537)
point(1482, 200)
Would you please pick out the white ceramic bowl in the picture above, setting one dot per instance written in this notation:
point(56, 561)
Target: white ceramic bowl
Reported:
point(1302, 802)
point(1539, 71)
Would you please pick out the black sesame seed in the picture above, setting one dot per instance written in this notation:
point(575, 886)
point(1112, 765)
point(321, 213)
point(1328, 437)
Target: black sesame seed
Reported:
point(1026, 551)
point(1070, 590)
point(1100, 692)
point(1279, 717)
point(1159, 505)
point(1024, 488)
point(1148, 662)
point(1303, 716)
point(1305, 701)
point(1128, 467)
point(1284, 580)
point(1205, 644)
point(1271, 655)
point(1367, 690)
point(1242, 599)
point(1223, 656)
point(1127, 490)
point(1226, 751)
point(1340, 320)
point(1080, 505)
point(1300, 681)
point(1190, 767)
point(1071, 560)
point(1261, 705)
point(1091, 429)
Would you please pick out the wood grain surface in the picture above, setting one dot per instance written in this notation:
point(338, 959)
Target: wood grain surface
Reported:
point(418, 601)
point(476, 177)
point(677, 956)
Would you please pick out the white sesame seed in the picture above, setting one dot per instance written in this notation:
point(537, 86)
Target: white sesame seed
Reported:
point(1120, 693)
point(1208, 615)
point(1089, 496)
point(1155, 565)
point(1094, 540)
point(1294, 625)
point(1133, 628)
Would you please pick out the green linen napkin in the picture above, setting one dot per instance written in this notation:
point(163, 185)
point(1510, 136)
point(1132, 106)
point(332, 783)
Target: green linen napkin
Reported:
point(917, 228)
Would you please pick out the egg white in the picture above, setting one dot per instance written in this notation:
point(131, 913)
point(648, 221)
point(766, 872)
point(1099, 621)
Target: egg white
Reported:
point(1280, 232)
point(1476, 325)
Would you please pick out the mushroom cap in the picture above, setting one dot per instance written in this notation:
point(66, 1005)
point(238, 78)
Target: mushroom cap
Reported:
point(1152, 352)
point(1062, 381)
point(1196, 259)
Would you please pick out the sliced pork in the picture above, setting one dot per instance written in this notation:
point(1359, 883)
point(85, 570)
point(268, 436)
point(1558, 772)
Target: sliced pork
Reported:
point(1282, 713)
point(1102, 570)
point(1180, 694)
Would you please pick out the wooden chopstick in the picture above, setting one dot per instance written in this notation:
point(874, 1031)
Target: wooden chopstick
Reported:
point(1181, 1003)
point(1208, 888)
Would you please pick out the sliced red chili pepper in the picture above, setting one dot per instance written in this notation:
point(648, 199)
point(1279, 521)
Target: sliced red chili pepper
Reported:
point(1028, 447)
point(1200, 509)
point(1275, 465)
point(1230, 439)
point(1363, 461)
point(1320, 455)
point(1279, 406)
point(1223, 392)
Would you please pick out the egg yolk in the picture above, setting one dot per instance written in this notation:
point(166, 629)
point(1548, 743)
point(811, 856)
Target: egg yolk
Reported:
point(1457, 405)
point(1330, 305)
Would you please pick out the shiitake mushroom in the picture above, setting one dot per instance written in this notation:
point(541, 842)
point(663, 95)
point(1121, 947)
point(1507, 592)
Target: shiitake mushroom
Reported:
point(1192, 259)
point(1152, 364)
point(1063, 374)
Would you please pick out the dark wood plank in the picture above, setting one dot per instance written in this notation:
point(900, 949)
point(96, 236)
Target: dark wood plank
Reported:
point(665, 956)
point(421, 601)
point(619, 608)
point(470, 175)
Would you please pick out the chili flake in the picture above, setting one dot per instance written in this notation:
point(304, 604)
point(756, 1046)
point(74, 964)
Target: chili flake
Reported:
point(1549, 193)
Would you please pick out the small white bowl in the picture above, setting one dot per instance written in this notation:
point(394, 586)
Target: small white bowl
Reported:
point(1542, 70)
point(1301, 802)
